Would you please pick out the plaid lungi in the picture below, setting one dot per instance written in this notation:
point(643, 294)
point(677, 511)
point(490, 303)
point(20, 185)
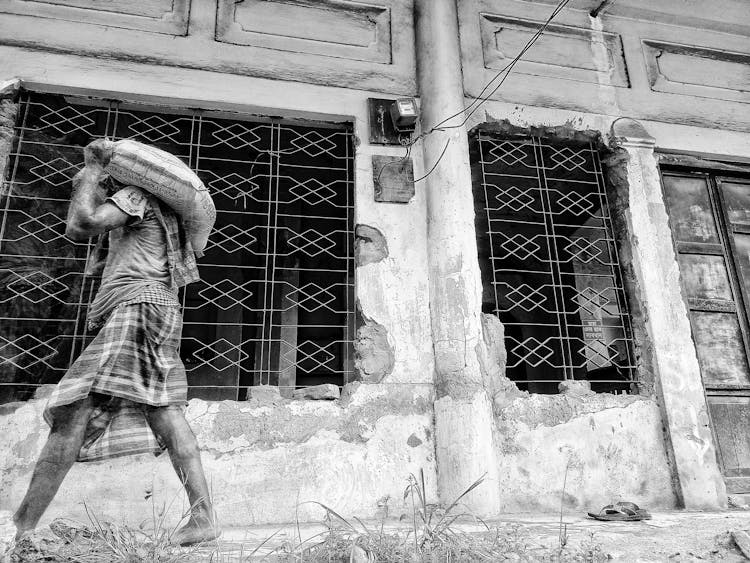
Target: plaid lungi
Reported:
point(133, 360)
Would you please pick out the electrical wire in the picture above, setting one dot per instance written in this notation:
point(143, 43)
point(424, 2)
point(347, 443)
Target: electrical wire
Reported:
point(480, 99)
point(445, 148)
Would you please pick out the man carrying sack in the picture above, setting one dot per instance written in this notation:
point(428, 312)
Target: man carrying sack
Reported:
point(126, 392)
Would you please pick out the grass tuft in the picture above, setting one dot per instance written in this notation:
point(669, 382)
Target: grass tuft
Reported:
point(435, 534)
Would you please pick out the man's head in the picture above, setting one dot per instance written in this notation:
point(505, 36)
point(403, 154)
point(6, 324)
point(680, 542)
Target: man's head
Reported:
point(98, 152)
point(106, 184)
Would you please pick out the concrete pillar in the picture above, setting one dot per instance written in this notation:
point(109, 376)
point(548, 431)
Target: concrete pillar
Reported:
point(463, 412)
point(698, 480)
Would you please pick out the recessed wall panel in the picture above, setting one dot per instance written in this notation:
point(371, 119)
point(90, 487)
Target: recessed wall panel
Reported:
point(334, 28)
point(159, 16)
point(708, 73)
point(563, 51)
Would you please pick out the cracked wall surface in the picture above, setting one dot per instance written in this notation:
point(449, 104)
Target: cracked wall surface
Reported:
point(264, 458)
point(612, 448)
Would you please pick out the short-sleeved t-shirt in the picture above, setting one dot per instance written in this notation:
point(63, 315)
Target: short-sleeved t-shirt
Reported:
point(137, 257)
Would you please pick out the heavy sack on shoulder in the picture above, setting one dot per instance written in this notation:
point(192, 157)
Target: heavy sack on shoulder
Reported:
point(165, 176)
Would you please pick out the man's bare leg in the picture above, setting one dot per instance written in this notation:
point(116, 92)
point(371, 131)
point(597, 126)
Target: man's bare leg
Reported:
point(58, 456)
point(170, 425)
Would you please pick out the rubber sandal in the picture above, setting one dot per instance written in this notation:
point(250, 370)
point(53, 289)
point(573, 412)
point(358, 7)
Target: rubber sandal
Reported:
point(621, 512)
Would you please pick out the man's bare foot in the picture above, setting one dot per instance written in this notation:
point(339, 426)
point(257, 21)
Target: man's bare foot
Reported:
point(196, 531)
point(21, 530)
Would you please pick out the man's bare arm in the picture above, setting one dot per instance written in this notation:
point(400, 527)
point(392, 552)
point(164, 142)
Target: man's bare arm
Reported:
point(89, 214)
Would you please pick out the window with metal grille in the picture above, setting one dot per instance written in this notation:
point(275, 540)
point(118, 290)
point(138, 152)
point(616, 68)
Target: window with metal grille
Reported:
point(549, 262)
point(276, 301)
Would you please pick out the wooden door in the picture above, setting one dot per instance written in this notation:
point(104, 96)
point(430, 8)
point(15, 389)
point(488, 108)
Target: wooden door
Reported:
point(710, 220)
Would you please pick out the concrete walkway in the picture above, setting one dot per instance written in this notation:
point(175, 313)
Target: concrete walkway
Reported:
point(668, 536)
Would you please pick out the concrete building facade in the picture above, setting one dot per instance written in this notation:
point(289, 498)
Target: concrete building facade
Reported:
point(542, 285)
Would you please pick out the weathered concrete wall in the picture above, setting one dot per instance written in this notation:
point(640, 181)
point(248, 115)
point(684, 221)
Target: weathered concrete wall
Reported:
point(350, 454)
point(265, 459)
point(667, 369)
point(262, 459)
point(672, 61)
point(611, 447)
point(327, 43)
point(679, 386)
point(599, 448)
point(463, 413)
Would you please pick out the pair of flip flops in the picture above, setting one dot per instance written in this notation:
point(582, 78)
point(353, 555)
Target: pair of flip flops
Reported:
point(621, 512)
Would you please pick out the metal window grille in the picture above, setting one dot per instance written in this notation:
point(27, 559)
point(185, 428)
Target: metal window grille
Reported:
point(549, 262)
point(276, 301)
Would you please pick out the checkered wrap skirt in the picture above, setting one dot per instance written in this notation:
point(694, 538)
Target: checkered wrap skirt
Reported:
point(134, 361)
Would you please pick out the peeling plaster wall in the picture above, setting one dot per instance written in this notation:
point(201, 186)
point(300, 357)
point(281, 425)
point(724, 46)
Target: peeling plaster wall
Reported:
point(265, 460)
point(263, 457)
point(627, 441)
point(612, 447)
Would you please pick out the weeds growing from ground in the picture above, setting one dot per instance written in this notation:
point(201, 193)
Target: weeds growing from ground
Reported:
point(98, 541)
point(435, 534)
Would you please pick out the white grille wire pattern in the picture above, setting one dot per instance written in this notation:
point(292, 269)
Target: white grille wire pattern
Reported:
point(549, 261)
point(276, 301)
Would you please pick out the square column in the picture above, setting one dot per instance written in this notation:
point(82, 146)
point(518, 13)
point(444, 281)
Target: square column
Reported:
point(690, 443)
point(463, 412)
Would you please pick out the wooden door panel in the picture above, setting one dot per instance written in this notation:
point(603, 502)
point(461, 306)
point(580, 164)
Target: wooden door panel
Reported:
point(710, 220)
point(730, 416)
point(737, 201)
point(705, 276)
point(721, 353)
point(690, 209)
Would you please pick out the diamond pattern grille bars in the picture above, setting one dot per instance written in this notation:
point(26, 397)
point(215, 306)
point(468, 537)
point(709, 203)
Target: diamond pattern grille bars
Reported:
point(549, 262)
point(276, 302)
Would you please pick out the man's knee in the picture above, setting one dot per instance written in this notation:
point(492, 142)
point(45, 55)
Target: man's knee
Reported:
point(169, 424)
point(168, 417)
point(63, 443)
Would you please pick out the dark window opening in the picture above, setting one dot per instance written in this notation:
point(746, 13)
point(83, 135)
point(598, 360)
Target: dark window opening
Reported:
point(550, 269)
point(276, 301)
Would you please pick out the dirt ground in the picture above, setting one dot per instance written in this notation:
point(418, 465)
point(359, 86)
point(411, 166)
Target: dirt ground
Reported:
point(668, 536)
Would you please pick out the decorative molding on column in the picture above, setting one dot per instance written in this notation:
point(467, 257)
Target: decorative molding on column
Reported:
point(629, 132)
